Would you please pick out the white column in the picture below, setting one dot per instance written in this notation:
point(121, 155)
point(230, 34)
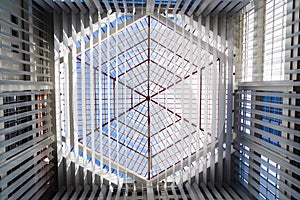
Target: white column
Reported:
point(100, 92)
point(166, 100)
point(222, 97)
point(74, 98)
point(92, 96)
point(229, 101)
point(125, 108)
point(191, 52)
point(182, 91)
point(174, 93)
point(214, 88)
point(57, 100)
point(109, 96)
point(83, 96)
point(206, 99)
point(117, 97)
point(198, 135)
point(66, 96)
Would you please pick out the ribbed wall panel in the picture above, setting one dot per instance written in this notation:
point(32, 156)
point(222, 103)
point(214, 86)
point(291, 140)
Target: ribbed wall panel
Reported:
point(26, 138)
point(267, 101)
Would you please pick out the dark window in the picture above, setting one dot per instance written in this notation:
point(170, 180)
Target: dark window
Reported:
point(14, 33)
point(14, 19)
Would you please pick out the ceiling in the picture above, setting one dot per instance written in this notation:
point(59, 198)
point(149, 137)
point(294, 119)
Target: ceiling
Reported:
point(146, 79)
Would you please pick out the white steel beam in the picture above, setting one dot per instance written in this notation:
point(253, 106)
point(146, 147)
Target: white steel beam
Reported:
point(108, 8)
point(166, 100)
point(199, 83)
point(202, 7)
point(191, 52)
point(193, 8)
point(116, 97)
point(222, 97)
point(124, 108)
point(229, 101)
point(214, 191)
point(75, 97)
point(150, 6)
point(93, 194)
point(220, 7)
point(91, 7)
point(181, 149)
point(43, 4)
point(206, 98)
point(92, 95)
point(69, 192)
point(211, 7)
point(198, 191)
point(77, 191)
point(150, 192)
point(116, 6)
point(53, 5)
point(206, 191)
point(174, 192)
point(183, 195)
point(228, 8)
point(85, 192)
point(103, 192)
point(100, 91)
point(74, 9)
point(109, 92)
point(81, 6)
point(67, 96)
point(120, 184)
point(191, 191)
point(98, 6)
point(176, 7)
point(174, 102)
point(214, 88)
point(57, 101)
point(224, 192)
point(184, 7)
point(83, 97)
point(63, 6)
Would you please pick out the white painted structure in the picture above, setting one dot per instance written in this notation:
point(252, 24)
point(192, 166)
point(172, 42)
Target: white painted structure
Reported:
point(109, 99)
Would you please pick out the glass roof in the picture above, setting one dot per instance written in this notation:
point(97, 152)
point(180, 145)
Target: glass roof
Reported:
point(145, 73)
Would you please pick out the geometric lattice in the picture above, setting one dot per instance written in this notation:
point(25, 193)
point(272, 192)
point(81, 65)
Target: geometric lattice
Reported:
point(146, 88)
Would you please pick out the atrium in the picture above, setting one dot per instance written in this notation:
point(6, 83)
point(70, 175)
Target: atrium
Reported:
point(150, 99)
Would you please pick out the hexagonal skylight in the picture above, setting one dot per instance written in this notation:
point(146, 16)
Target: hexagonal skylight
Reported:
point(147, 101)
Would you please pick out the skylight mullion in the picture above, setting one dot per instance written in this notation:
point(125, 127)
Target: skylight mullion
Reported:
point(161, 79)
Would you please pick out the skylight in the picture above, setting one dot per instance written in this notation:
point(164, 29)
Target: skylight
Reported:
point(146, 98)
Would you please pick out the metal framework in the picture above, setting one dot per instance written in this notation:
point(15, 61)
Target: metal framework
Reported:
point(148, 95)
point(151, 99)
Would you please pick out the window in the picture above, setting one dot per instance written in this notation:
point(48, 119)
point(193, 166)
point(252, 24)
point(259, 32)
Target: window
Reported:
point(15, 48)
point(248, 45)
point(269, 179)
point(14, 33)
point(269, 121)
point(274, 40)
point(244, 164)
point(14, 19)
